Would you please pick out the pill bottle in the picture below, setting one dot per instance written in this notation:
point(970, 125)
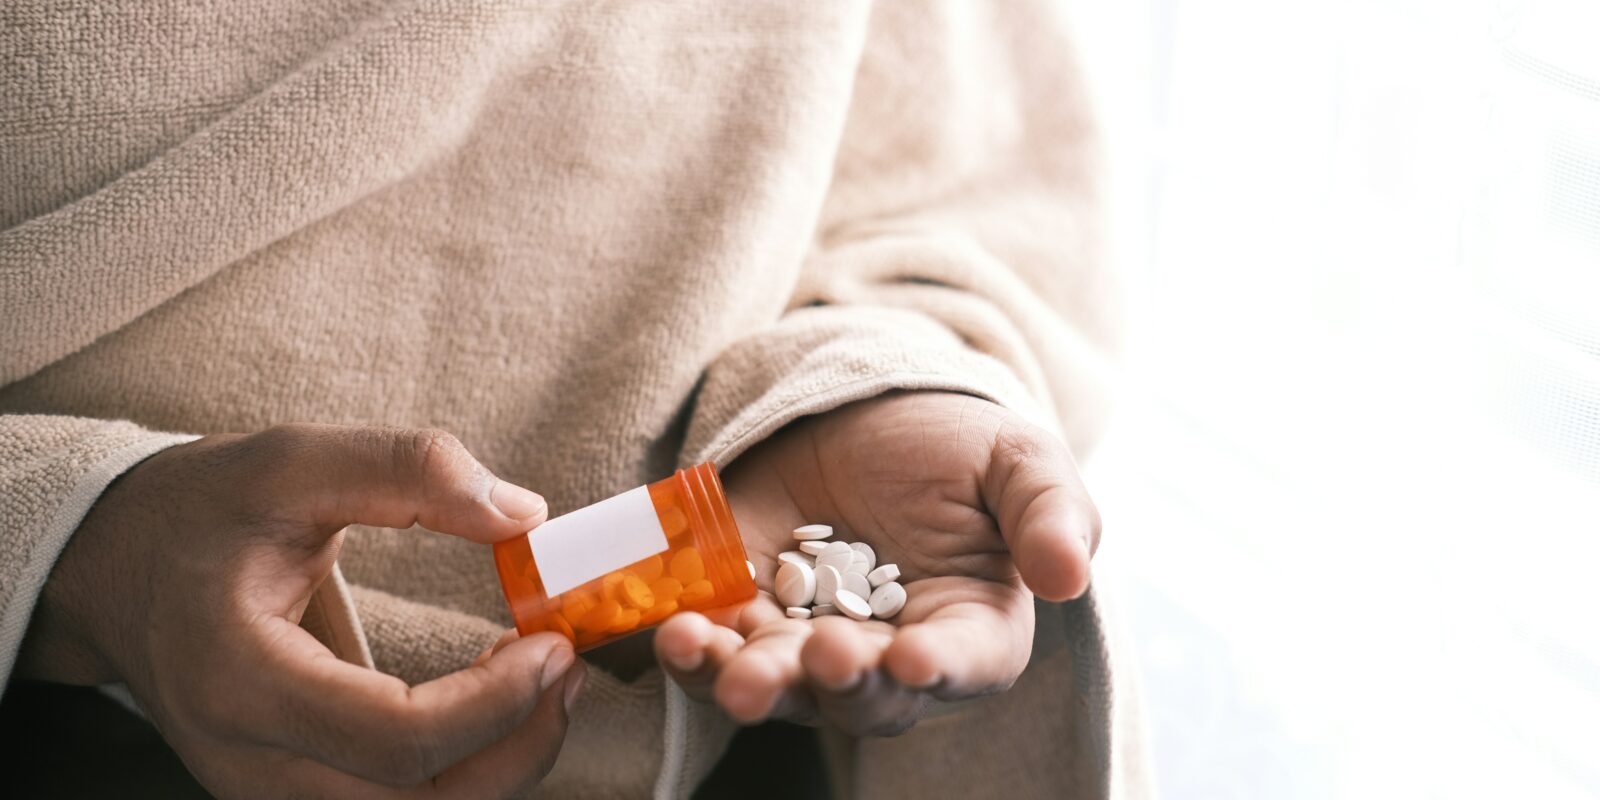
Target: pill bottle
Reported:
point(628, 562)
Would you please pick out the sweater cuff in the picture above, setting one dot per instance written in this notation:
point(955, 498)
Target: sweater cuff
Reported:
point(821, 358)
point(53, 471)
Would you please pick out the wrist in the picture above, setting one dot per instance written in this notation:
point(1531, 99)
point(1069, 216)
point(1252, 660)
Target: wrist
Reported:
point(60, 642)
point(72, 635)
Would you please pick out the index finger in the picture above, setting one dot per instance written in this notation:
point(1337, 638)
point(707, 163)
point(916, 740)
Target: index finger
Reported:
point(374, 726)
point(389, 477)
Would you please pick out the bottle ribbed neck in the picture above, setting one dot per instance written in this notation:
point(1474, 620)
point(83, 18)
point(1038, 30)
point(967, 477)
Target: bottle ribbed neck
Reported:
point(711, 521)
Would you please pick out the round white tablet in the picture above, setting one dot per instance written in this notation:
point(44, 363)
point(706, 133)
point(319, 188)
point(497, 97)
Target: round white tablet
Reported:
point(806, 533)
point(796, 584)
point(853, 606)
point(813, 548)
point(837, 555)
point(750, 565)
point(824, 610)
point(887, 600)
point(798, 612)
point(797, 557)
point(866, 550)
point(883, 574)
point(828, 581)
point(856, 583)
point(858, 564)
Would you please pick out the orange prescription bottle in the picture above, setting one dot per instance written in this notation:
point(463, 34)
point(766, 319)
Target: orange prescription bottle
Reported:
point(628, 562)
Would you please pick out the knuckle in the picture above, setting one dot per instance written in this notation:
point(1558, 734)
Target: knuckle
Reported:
point(1022, 456)
point(1015, 437)
point(428, 451)
point(1020, 445)
point(1029, 454)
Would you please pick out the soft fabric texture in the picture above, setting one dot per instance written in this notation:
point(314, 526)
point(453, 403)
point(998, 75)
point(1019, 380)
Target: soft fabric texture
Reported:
point(51, 470)
point(594, 241)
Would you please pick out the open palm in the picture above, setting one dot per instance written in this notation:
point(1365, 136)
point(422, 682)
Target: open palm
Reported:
point(980, 509)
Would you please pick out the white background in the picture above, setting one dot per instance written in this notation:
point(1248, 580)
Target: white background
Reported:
point(1352, 493)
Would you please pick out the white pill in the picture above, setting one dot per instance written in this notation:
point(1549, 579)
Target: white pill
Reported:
point(859, 564)
point(828, 581)
point(796, 585)
point(824, 610)
point(813, 548)
point(837, 555)
point(887, 600)
point(856, 583)
point(883, 574)
point(798, 612)
point(852, 605)
point(797, 557)
point(750, 565)
point(866, 549)
point(806, 533)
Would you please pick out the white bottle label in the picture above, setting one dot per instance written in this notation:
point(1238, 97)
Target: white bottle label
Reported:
point(582, 545)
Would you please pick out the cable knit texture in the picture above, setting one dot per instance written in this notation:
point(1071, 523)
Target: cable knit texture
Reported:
point(596, 241)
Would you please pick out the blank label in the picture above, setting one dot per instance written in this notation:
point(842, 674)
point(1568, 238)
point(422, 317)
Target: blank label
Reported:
point(578, 547)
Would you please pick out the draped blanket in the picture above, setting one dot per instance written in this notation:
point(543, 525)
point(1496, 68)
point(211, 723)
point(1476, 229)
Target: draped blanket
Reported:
point(595, 241)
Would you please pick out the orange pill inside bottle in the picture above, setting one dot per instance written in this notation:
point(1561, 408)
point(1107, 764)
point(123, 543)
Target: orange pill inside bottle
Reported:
point(628, 562)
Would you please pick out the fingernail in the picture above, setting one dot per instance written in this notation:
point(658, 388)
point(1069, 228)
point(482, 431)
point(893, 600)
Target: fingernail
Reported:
point(555, 665)
point(575, 682)
point(515, 501)
point(850, 682)
point(686, 663)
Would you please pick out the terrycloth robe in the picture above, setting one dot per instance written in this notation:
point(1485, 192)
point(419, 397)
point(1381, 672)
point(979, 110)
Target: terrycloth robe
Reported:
point(596, 241)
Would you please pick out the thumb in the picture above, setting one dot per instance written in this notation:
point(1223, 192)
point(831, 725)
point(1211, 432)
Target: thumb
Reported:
point(1044, 512)
point(395, 478)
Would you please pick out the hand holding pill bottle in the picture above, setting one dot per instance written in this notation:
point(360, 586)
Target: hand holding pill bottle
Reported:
point(627, 563)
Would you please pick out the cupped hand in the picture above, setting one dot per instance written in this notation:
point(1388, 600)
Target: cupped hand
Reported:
point(980, 509)
point(187, 580)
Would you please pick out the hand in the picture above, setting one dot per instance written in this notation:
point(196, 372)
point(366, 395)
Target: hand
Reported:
point(187, 579)
point(975, 505)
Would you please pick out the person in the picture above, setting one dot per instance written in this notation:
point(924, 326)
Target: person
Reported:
point(302, 302)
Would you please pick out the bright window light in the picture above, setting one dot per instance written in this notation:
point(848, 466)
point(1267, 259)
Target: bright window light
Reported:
point(1352, 496)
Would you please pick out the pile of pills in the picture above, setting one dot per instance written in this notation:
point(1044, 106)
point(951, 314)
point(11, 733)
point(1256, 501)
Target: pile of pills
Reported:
point(641, 595)
point(823, 577)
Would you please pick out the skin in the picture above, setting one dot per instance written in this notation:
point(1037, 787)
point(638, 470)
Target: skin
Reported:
point(187, 580)
point(980, 509)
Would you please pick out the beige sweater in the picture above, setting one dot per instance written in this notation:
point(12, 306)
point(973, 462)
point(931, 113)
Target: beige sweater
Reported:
point(594, 240)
